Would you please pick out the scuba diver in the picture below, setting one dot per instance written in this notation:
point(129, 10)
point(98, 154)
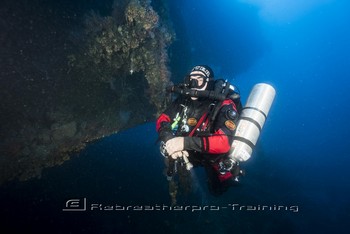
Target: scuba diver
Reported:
point(198, 128)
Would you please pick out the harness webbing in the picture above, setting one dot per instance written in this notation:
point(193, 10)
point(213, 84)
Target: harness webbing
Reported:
point(201, 120)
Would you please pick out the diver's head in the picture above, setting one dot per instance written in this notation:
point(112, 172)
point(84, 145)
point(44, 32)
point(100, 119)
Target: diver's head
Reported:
point(200, 78)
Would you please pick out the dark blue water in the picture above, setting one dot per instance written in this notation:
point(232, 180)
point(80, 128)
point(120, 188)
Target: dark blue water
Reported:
point(301, 160)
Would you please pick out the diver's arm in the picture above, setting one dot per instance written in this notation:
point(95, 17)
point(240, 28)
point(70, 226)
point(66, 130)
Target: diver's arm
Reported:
point(218, 143)
point(163, 127)
point(164, 121)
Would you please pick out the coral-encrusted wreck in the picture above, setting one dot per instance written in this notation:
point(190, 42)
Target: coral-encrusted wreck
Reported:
point(105, 75)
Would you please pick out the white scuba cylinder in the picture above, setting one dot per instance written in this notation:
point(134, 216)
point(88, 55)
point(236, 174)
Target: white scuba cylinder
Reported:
point(251, 121)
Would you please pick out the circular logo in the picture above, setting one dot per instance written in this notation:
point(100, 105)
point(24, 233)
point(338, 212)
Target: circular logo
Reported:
point(192, 122)
point(230, 125)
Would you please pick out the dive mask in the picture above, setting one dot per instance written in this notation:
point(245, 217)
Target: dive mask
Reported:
point(196, 81)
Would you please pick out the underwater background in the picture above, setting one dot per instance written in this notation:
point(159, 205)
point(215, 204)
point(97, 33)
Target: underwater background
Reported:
point(301, 162)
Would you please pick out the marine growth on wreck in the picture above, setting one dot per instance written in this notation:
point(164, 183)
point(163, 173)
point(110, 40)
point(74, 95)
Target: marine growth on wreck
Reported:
point(64, 86)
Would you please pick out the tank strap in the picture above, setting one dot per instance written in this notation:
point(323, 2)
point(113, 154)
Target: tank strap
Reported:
point(253, 122)
point(254, 108)
point(244, 140)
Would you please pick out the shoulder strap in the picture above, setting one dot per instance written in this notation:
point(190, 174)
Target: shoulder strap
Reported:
point(231, 93)
point(199, 123)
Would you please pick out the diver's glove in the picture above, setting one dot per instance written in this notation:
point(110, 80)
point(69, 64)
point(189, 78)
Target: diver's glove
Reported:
point(184, 155)
point(174, 145)
point(180, 154)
